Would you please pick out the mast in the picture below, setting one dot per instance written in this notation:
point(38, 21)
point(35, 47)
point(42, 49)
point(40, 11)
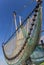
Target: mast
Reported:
point(20, 31)
point(14, 14)
point(20, 20)
point(15, 22)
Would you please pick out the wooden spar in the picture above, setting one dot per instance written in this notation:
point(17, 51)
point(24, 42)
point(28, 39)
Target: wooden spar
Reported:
point(15, 20)
point(20, 20)
point(17, 34)
point(20, 35)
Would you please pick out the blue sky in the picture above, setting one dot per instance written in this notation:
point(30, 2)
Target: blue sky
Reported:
point(22, 8)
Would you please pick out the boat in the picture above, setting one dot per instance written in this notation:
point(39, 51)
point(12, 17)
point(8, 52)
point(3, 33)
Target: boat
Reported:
point(19, 47)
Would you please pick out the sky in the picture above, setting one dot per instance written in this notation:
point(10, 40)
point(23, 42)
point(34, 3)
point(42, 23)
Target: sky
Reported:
point(22, 8)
